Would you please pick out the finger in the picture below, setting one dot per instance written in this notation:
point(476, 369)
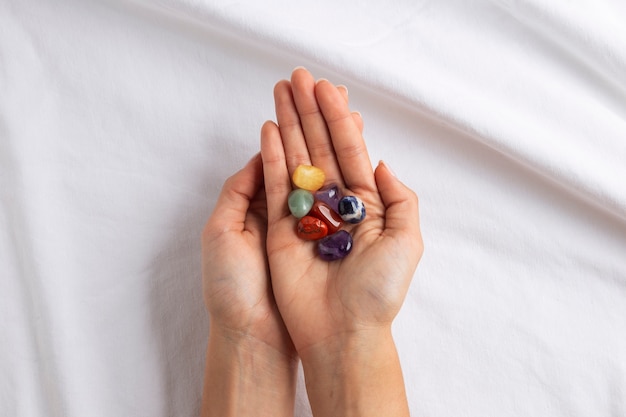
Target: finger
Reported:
point(344, 92)
point(316, 134)
point(275, 173)
point(346, 138)
point(358, 120)
point(233, 202)
point(401, 205)
point(296, 152)
point(355, 114)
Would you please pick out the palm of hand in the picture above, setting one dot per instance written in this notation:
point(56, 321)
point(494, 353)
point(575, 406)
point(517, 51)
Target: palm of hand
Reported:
point(319, 299)
point(236, 283)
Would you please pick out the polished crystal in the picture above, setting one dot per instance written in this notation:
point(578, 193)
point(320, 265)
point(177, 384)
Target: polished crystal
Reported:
point(308, 177)
point(351, 209)
point(335, 246)
point(311, 228)
point(329, 195)
point(323, 212)
point(300, 202)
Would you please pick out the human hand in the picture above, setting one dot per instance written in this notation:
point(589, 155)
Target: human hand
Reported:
point(236, 283)
point(339, 313)
point(251, 362)
point(322, 302)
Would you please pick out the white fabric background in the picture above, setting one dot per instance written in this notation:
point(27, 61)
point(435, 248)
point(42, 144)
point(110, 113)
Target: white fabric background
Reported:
point(119, 121)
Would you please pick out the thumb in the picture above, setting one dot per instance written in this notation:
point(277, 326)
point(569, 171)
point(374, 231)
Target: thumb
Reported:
point(234, 200)
point(401, 204)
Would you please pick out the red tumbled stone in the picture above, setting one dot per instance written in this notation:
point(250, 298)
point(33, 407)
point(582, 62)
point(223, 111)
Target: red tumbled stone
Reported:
point(323, 212)
point(311, 228)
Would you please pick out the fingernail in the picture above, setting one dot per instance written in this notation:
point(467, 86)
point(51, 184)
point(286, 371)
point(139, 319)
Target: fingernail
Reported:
point(320, 80)
point(298, 67)
point(388, 168)
point(358, 113)
point(345, 88)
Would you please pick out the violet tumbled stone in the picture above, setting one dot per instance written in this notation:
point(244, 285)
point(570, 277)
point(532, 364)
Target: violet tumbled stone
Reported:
point(351, 209)
point(336, 246)
point(329, 195)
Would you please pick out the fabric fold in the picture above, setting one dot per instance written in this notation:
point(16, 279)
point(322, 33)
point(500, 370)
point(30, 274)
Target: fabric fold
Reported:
point(121, 119)
point(579, 146)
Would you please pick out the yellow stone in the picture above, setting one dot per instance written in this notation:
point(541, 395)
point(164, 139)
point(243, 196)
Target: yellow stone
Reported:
point(308, 177)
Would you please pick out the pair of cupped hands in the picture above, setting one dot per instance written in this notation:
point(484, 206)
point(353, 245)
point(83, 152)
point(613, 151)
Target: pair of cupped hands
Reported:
point(261, 282)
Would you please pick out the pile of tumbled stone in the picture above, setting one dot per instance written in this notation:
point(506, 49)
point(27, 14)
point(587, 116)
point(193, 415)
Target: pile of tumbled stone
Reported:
point(322, 212)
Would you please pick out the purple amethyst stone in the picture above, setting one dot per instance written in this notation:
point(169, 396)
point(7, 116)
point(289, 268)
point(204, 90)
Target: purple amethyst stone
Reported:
point(329, 195)
point(336, 246)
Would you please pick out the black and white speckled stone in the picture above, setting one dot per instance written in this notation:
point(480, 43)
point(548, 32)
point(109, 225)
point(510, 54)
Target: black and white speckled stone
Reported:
point(351, 209)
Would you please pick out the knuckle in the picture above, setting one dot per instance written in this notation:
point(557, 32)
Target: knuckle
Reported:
point(276, 189)
point(322, 150)
point(298, 159)
point(352, 151)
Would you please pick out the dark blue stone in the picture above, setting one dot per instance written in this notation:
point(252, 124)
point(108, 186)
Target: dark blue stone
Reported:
point(351, 209)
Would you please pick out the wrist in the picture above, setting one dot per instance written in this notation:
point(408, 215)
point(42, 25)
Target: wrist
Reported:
point(346, 347)
point(247, 377)
point(355, 374)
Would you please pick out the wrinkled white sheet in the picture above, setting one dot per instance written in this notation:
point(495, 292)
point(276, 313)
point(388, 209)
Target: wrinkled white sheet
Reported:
point(119, 121)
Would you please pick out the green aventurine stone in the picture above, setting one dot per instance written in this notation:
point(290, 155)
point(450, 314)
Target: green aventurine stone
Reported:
point(300, 202)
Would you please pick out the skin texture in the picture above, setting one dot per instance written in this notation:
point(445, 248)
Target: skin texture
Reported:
point(251, 362)
point(333, 308)
point(272, 301)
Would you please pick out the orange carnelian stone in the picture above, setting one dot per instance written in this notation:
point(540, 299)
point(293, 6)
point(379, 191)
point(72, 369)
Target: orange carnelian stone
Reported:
point(323, 212)
point(311, 228)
